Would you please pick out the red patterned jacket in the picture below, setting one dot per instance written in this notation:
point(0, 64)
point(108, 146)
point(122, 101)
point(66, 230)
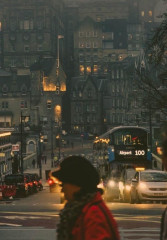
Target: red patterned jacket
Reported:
point(95, 222)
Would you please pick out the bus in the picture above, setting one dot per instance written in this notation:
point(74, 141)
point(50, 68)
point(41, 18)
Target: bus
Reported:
point(122, 146)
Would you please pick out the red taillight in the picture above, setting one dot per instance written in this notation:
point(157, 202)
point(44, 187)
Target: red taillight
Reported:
point(50, 181)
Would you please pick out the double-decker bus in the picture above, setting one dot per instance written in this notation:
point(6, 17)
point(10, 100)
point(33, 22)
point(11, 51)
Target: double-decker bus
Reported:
point(123, 146)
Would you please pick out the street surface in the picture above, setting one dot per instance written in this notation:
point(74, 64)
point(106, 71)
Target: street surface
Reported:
point(36, 216)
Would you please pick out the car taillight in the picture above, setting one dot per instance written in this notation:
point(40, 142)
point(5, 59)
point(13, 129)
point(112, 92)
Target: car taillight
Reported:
point(50, 181)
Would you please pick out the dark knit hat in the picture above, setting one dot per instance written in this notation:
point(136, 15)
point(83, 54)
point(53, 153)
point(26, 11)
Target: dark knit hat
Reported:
point(79, 171)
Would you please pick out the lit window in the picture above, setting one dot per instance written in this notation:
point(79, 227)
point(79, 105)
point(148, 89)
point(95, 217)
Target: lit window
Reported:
point(142, 13)
point(98, 19)
point(82, 69)
point(95, 68)
point(88, 69)
point(150, 13)
point(130, 36)
point(81, 45)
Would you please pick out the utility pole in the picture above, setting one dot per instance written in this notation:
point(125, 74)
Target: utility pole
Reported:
point(21, 145)
point(51, 136)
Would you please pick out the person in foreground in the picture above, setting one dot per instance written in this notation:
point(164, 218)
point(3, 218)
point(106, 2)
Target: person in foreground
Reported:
point(163, 230)
point(85, 215)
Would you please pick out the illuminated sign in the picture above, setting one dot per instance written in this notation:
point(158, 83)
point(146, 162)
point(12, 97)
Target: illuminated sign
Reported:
point(125, 152)
point(2, 154)
point(132, 152)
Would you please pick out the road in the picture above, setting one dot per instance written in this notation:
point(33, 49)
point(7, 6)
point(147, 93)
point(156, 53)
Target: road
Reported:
point(36, 217)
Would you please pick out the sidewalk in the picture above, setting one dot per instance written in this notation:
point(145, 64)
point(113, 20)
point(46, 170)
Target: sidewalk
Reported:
point(78, 148)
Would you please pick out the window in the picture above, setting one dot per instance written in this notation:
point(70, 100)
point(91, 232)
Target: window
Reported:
point(88, 58)
point(88, 69)
point(81, 69)
point(117, 73)
point(26, 61)
point(93, 108)
point(88, 108)
point(81, 57)
point(88, 44)
point(49, 104)
point(89, 93)
point(137, 36)
point(23, 90)
point(138, 46)
point(94, 34)
point(81, 34)
point(39, 48)
point(130, 36)
point(129, 46)
point(40, 23)
point(26, 48)
point(88, 34)
point(142, 13)
point(108, 44)
point(95, 69)
point(4, 89)
point(13, 62)
point(5, 105)
point(81, 45)
point(26, 24)
point(95, 58)
point(150, 13)
point(95, 45)
point(23, 104)
point(80, 93)
point(74, 94)
point(122, 73)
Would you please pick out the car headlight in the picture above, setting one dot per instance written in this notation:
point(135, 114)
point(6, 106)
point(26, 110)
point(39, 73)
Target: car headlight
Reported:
point(128, 187)
point(121, 186)
point(111, 183)
point(142, 185)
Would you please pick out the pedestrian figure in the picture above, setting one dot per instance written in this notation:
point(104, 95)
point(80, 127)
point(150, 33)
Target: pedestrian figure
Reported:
point(33, 163)
point(163, 230)
point(85, 215)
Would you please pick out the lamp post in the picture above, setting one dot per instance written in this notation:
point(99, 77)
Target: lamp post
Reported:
point(58, 50)
point(52, 153)
point(21, 141)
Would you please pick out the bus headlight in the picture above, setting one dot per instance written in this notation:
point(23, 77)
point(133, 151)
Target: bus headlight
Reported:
point(128, 187)
point(111, 183)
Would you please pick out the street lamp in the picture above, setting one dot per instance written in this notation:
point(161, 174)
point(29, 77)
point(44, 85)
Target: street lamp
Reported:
point(58, 50)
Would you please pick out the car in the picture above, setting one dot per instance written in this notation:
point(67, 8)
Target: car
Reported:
point(21, 181)
point(125, 184)
point(111, 191)
point(53, 184)
point(149, 185)
point(36, 182)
